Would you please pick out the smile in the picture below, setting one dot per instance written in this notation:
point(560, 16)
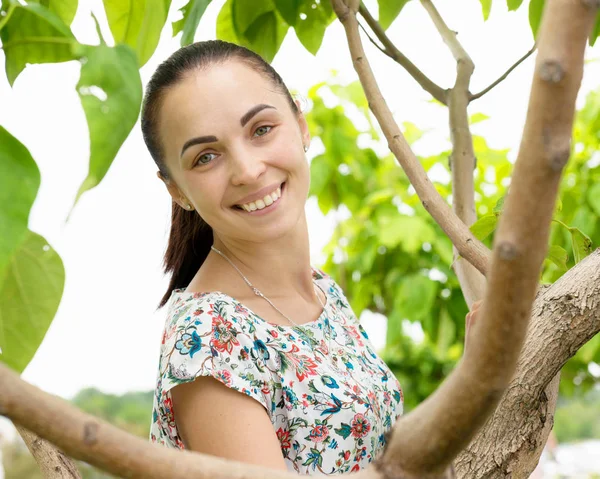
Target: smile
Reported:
point(264, 203)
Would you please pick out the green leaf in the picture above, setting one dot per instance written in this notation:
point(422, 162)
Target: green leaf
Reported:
point(30, 292)
point(593, 197)
point(415, 296)
point(558, 256)
point(289, 10)
point(245, 13)
point(310, 31)
point(192, 13)
point(225, 28)
point(409, 231)
point(486, 7)
point(137, 23)
point(266, 35)
point(64, 9)
point(34, 34)
point(595, 31)
point(477, 118)
point(536, 8)
point(19, 184)
point(320, 174)
point(446, 332)
point(582, 244)
point(110, 90)
point(499, 206)
point(389, 10)
point(484, 226)
point(513, 4)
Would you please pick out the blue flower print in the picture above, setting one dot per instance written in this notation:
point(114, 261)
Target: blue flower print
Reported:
point(189, 344)
point(330, 382)
point(262, 350)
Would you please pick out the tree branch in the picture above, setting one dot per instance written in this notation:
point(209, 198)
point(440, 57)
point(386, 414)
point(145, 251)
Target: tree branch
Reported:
point(440, 427)
point(392, 51)
point(565, 316)
point(52, 462)
point(503, 77)
point(469, 247)
point(472, 282)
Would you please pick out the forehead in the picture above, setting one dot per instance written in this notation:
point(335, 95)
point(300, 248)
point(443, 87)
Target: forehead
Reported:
point(225, 90)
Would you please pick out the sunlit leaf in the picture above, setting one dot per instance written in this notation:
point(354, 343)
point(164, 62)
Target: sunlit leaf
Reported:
point(582, 244)
point(558, 256)
point(535, 15)
point(110, 90)
point(64, 9)
point(486, 7)
point(192, 13)
point(137, 23)
point(484, 226)
point(19, 184)
point(477, 118)
point(34, 34)
point(289, 10)
point(225, 28)
point(389, 10)
point(513, 4)
point(314, 20)
point(415, 296)
point(30, 292)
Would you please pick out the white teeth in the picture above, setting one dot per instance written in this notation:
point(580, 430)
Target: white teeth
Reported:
point(268, 200)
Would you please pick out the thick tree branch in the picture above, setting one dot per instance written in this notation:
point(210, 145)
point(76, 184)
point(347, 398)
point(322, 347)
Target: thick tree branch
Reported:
point(440, 427)
point(52, 462)
point(469, 247)
point(565, 316)
point(392, 51)
point(503, 77)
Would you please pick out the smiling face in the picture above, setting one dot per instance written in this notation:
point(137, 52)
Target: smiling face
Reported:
point(235, 151)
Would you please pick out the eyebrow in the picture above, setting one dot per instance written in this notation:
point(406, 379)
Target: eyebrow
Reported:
point(211, 138)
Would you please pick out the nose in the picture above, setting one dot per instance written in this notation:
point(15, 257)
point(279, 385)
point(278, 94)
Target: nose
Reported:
point(246, 166)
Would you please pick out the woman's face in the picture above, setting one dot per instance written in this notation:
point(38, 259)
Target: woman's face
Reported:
point(232, 144)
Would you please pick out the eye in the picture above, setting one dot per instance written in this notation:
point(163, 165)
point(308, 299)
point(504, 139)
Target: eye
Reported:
point(204, 160)
point(262, 128)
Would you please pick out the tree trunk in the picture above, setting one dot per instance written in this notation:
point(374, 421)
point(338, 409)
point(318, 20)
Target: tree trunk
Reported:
point(565, 316)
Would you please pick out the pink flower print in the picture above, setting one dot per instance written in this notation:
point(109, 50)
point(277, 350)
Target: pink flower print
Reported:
point(360, 426)
point(304, 367)
point(223, 337)
point(355, 468)
point(225, 377)
point(319, 433)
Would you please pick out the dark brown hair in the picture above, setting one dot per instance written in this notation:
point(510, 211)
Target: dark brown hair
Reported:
point(191, 237)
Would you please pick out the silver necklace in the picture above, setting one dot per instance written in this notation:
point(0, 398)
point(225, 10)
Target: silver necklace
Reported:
point(257, 292)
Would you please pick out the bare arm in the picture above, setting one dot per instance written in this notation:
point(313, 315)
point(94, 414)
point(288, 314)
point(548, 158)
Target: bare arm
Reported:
point(217, 420)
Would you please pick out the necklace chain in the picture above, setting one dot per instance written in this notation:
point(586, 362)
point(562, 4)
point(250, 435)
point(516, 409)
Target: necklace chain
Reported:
point(257, 292)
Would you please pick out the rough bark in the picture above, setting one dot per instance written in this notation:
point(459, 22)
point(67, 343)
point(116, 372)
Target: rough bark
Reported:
point(52, 462)
point(565, 316)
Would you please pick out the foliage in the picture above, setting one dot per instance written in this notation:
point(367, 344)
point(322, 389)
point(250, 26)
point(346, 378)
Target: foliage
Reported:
point(393, 259)
point(572, 419)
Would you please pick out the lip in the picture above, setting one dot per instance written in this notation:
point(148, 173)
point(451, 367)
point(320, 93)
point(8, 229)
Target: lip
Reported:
point(259, 195)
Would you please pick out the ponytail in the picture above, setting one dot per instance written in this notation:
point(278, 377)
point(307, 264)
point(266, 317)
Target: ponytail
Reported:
point(190, 240)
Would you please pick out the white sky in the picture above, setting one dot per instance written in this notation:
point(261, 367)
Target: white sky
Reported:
point(106, 332)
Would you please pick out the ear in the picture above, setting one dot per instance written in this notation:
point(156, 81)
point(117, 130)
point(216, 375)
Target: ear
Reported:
point(174, 191)
point(303, 125)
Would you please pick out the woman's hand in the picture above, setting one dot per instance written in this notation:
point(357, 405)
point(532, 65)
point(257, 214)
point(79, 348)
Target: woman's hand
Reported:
point(471, 319)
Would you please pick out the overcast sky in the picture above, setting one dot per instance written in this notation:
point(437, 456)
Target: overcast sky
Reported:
point(106, 332)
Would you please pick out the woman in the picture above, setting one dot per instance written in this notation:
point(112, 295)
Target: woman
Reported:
point(247, 313)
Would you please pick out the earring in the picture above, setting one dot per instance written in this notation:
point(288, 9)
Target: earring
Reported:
point(305, 148)
point(188, 206)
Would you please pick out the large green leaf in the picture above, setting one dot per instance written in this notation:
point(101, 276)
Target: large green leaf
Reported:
point(245, 13)
point(110, 90)
point(192, 13)
point(64, 9)
point(225, 28)
point(19, 184)
point(513, 4)
point(582, 244)
point(266, 35)
point(314, 20)
point(137, 23)
point(34, 34)
point(558, 256)
point(484, 226)
point(536, 8)
point(389, 10)
point(30, 292)
point(289, 10)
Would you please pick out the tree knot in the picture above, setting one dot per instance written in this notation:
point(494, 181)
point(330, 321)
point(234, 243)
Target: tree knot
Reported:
point(507, 251)
point(551, 71)
point(90, 433)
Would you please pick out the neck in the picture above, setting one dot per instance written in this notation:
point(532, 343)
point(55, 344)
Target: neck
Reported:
point(277, 267)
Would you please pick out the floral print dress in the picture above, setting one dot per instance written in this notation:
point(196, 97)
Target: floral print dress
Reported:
point(329, 396)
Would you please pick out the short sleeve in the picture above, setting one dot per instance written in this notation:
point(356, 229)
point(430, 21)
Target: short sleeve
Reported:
point(205, 337)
